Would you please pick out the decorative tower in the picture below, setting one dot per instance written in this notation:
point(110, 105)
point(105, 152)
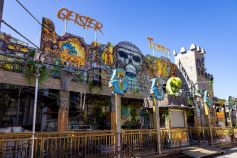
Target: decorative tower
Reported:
point(191, 66)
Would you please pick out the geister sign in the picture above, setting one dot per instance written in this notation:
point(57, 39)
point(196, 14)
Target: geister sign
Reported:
point(84, 21)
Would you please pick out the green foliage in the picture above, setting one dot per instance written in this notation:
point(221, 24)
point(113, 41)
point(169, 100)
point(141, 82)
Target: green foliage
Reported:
point(78, 77)
point(93, 85)
point(133, 113)
point(100, 117)
point(211, 83)
point(190, 113)
point(134, 124)
point(31, 53)
point(165, 113)
point(190, 100)
point(31, 70)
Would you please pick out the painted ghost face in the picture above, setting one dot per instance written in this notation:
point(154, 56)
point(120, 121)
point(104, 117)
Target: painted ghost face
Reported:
point(129, 58)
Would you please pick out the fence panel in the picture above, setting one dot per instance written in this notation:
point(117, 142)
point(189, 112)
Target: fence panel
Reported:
point(139, 140)
point(102, 143)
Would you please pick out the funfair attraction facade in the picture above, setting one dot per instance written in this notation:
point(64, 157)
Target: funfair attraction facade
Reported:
point(79, 83)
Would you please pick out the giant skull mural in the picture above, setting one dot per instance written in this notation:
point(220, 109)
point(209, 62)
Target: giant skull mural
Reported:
point(129, 57)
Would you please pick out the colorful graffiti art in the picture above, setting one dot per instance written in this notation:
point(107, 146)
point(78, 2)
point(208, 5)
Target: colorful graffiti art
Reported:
point(159, 67)
point(118, 82)
point(207, 101)
point(165, 68)
point(72, 50)
point(95, 55)
point(48, 41)
point(12, 45)
point(173, 86)
point(107, 55)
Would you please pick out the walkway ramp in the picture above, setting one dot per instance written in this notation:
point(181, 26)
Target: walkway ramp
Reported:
point(199, 152)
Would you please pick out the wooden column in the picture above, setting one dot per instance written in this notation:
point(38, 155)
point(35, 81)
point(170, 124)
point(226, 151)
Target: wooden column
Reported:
point(63, 112)
point(210, 126)
point(197, 119)
point(118, 123)
point(185, 119)
point(113, 114)
point(157, 124)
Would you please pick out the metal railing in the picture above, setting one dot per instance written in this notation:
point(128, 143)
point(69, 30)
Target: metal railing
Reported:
point(14, 63)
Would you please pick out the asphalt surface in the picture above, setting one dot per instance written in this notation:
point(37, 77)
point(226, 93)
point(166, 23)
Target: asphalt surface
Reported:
point(229, 153)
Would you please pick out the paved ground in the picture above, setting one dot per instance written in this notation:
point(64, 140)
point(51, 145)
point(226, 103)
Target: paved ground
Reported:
point(229, 153)
point(203, 151)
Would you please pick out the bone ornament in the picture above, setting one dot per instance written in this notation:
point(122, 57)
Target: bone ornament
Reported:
point(118, 82)
point(207, 98)
point(157, 88)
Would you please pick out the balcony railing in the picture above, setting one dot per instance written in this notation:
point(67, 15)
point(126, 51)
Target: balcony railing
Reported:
point(14, 63)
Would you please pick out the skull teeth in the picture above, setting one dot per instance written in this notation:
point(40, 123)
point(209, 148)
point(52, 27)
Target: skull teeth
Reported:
point(130, 68)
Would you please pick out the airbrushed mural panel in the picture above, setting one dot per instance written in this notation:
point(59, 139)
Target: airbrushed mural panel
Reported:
point(159, 67)
point(72, 51)
point(48, 42)
point(13, 46)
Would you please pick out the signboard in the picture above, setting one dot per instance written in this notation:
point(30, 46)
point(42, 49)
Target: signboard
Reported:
point(83, 21)
point(157, 47)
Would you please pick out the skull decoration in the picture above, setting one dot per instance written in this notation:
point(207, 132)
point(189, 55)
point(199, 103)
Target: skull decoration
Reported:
point(129, 57)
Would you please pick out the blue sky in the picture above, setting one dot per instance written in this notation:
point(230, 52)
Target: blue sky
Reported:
point(212, 24)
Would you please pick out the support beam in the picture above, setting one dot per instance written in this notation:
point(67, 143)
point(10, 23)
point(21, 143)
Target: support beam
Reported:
point(157, 125)
point(63, 112)
point(19, 79)
point(113, 114)
point(18, 106)
point(210, 127)
point(118, 123)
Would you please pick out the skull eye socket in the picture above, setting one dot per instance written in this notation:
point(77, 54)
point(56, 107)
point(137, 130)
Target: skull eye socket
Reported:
point(122, 54)
point(136, 59)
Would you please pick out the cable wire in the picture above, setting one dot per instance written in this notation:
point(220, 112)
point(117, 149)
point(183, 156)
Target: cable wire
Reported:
point(43, 26)
point(28, 12)
point(19, 33)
